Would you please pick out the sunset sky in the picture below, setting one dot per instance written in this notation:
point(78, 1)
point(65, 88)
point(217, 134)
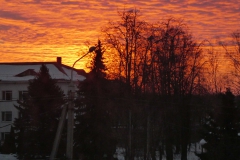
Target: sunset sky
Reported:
point(41, 30)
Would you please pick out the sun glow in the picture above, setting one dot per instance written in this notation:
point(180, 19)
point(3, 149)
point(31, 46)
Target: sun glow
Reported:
point(43, 30)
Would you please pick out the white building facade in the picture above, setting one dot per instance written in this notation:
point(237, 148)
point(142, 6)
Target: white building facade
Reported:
point(14, 79)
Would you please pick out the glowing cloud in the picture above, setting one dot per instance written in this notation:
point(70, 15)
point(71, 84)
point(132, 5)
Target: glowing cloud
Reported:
point(34, 30)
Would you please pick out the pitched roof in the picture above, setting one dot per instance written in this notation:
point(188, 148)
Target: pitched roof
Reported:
point(24, 71)
point(28, 72)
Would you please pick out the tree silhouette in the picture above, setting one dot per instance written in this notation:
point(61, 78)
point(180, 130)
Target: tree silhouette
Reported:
point(221, 130)
point(127, 38)
point(39, 114)
point(162, 61)
point(93, 115)
point(98, 67)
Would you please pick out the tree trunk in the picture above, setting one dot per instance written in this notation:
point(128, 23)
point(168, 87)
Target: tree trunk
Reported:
point(169, 150)
point(185, 130)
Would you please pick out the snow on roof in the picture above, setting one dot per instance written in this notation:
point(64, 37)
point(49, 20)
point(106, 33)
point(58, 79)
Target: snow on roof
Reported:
point(25, 71)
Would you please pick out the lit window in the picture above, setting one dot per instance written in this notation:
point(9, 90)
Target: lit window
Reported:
point(4, 135)
point(7, 116)
point(7, 95)
point(23, 95)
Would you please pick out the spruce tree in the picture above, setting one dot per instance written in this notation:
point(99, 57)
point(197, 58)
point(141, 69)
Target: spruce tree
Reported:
point(39, 114)
point(221, 130)
point(98, 67)
point(93, 136)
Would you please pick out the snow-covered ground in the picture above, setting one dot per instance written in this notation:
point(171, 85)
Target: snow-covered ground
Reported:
point(8, 157)
point(191, 155)
point(120, 152)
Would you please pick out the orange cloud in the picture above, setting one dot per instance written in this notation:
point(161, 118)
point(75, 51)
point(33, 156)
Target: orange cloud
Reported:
point(34, 30)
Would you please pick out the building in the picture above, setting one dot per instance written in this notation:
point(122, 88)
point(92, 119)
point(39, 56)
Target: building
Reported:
point(14, 79)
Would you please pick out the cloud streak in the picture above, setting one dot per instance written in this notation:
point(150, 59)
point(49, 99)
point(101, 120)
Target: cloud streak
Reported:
point(34, 28)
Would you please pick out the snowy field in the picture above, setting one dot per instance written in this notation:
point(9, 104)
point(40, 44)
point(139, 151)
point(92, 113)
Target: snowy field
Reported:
point(191, 154)
point(7, 157)
point(119, 154)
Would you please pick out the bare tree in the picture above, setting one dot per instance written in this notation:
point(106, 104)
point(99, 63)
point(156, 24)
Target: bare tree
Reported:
point(236, 41)
point(233, 52)
point(125, 37)
point(178, 60)
point(162, 65)
point(213, 77)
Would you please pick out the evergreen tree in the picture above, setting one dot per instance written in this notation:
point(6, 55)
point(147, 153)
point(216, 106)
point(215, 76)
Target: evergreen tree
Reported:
point(98, 67)
point(93, 138)
point(221, 130)
point(39, 114)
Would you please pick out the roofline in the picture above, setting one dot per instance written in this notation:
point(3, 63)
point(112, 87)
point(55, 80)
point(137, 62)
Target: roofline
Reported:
point(26, 81)
point(82, 71)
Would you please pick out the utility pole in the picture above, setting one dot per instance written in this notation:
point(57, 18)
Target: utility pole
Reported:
point(148, 137)
point(130, 136)
point(69, 151)
point(59, 131)
point(70, 126)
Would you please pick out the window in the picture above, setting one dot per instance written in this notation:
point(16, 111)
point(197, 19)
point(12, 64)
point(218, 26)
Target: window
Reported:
point(23, 95)
point(4, 135)
point(7, 95)
point(7, 116)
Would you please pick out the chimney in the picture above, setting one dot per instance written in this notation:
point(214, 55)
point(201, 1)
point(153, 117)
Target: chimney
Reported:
point(59, 60)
